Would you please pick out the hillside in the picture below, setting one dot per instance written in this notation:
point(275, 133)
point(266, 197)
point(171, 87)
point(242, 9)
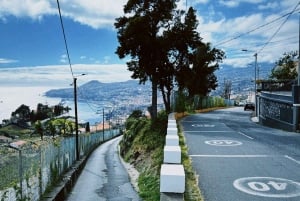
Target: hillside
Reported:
point(99, 91)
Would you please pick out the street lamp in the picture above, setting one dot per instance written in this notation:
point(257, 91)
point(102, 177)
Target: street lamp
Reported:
point(76, 116)
point(255, 69)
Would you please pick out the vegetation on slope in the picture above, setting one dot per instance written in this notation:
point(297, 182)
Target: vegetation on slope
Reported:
point(142, 145)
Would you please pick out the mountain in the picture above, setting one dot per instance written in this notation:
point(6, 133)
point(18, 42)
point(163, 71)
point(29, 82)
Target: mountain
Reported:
point(99, 91)
point(131, 92)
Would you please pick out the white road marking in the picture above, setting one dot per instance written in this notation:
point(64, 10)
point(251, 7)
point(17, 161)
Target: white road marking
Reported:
point(233, 156)
point(268, 187)
point(207, 131)
point(292, 159)
point(226, 143)
point(247, 136)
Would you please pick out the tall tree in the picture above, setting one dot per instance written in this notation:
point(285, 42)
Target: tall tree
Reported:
point(194, 61)
point(139, 35)
point(285, 67)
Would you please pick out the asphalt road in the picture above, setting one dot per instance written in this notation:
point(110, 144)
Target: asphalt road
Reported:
point(104, 177)
point(239, 160)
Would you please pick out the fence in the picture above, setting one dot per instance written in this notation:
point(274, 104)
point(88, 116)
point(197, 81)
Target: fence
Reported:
point(27, 173)
point(182, 103)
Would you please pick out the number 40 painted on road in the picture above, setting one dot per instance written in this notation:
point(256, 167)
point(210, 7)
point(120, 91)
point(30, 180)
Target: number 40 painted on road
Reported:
point(268, 187)
point(261, 186)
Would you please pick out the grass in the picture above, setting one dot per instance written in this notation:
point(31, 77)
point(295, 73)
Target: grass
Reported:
point(142, 145)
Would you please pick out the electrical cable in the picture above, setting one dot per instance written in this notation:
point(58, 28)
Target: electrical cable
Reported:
point(256, 28)
point(281, 25)
point(65, 39)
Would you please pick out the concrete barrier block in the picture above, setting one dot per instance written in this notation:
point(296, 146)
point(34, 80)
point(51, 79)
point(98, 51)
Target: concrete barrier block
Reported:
point(172, 121)
point(172, 154)
point(172, 125)
point(172, 178)
point(171, 116)
point(172, 131)
point(172, 140)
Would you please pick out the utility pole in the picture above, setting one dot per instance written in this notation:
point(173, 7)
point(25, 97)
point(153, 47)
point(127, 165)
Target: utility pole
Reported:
point(255, 67)
point(76, 119)
point(103, 126)
point(299, 55)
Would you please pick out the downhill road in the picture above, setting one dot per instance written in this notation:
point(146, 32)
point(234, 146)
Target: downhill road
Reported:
point(239, 160)
point(104, 178)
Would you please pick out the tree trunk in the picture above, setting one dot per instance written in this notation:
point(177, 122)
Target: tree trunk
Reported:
point(166, 98)
point(154, 99)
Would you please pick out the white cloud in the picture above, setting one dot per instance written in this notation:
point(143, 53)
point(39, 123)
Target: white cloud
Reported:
point(26, 8)
point(236, 3)
point(60, 75)
point(230, 4)
point(269, 5)
point(7, 61)
point(94, 13)
point(63, 58)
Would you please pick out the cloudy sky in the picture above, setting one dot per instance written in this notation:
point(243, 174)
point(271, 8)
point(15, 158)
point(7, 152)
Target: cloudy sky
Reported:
point(32, 44)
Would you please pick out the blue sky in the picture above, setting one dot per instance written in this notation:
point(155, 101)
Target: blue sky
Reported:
point(31, 36)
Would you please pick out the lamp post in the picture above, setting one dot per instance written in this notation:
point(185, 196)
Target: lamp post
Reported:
point(299, 54)
point(76, 117)
point(255, 74)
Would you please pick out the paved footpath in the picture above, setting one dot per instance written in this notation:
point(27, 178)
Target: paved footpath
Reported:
point(104, 177)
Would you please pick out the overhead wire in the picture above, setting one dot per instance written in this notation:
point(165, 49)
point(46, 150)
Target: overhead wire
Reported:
point(68, 56)
point(65, 38)
point(278, 29)
point(257, 28)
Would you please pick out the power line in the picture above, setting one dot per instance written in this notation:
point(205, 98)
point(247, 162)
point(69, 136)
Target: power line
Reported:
point(281, 25)
point(65, 39)
point(257, 28)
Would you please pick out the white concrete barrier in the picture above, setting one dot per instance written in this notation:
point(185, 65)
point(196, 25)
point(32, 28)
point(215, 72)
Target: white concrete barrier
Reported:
point(172, 178)
point(172, 121)
point(171, 116)
point(172, 125)
point(172, 154)
point(172, 131)
point(172, 140)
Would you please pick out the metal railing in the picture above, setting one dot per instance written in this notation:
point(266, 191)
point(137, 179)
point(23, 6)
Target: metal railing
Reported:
point(27, 172)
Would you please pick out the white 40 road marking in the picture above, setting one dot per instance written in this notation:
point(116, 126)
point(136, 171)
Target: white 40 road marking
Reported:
point(268, 187)
point(223, 142)
point(260, 186)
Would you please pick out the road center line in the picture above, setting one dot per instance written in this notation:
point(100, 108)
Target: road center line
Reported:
point(292, 159)
point(208, 131)
point(232, 156)
point(247, 136)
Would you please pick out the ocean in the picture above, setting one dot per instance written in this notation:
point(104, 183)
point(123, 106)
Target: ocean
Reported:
point(27, 85)
point(11, 97)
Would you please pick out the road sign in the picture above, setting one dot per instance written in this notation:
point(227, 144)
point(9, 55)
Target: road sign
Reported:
point(268, 187)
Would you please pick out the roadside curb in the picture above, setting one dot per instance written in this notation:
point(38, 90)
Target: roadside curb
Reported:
point(63, 188)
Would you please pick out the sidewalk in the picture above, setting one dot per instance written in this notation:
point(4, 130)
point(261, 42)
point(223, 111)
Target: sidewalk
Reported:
point(101, 176)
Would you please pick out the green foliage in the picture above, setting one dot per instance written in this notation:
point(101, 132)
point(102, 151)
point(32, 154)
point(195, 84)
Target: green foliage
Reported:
point(136, 114)
point(285, 67)
point(149, 187)
point(142, 145)
point(39, 129)
point(192, 192)
point(180, 102)
point(165, 47)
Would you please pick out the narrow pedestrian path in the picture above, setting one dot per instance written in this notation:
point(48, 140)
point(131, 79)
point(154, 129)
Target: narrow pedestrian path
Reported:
point(104, 177)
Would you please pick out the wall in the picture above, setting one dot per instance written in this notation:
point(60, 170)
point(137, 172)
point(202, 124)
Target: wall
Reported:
point(277, 110)
point(28, 173)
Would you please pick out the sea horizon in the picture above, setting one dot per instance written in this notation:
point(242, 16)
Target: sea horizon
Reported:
point(14, 96)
